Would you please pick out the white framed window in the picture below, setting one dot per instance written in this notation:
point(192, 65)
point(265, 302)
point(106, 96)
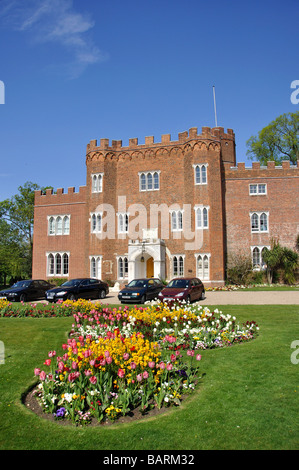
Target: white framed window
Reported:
point(259, 222)
point(96, 222)
point(257, 257)
point(96, 266)
point(201, 217)
point(149, 181)
point(122, 267)
point(178, 262)
point(58, 263)
point(123, 222)
point(59, 224)
point(203, 265)
point(97, 182)
point(256, 189)
point(176, 220)
point(200, 173)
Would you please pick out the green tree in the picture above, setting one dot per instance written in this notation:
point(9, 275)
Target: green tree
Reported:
point(278, 141)
point(282, 258)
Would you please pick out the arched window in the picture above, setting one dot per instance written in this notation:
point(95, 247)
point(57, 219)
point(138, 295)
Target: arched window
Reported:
point(58, 263)
point(203, 174)
point(254, 223)
point(198, 218)
point(203, 266)
point(156, 180)
point(51, 264)
point(65, 264)
point(142, 182)
point(149, 181)
point(205, 217)
point(197, 174)
point(51, 226)
point(178, 265)
point(66, 225)
point(93, 223)
point(59, 226)
point(99, 223)
point(263, 222)
point(96, 267)
point(256, 257)
point(180, 220)
point(173, 221)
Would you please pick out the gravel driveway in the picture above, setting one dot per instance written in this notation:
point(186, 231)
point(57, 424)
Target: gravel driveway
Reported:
point(237, 298)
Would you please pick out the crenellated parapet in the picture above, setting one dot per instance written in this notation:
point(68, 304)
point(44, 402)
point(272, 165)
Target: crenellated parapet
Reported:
point(256, 170)
point(209, 139)
point(51, 197)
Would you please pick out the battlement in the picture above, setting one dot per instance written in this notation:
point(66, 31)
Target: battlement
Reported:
point(258, 170)
point(214, 134)
point(60, 197)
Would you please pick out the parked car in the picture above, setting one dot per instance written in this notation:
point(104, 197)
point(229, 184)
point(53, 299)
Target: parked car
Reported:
point(140, 290)
point(188, 289)
point(28, 289)
point(83, 288)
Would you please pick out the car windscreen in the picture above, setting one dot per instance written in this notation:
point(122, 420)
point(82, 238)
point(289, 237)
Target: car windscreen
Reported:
point(137, 283)
point(178, 283)
point(21, 284)
point(72, 283)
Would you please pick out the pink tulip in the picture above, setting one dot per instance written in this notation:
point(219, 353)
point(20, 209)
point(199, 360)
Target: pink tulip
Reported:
point(133, 365)
point(47, 362)
point(198, 357)
point(151, 364)
point(93, 380)
point(52, 353)
point(169, 366)
point(60, 365)
point(42, 375)
point(145, 374)
point(121, 373)
point(36, 371)
point(190, 353)
point(162, 365)
point(74, 365)
point(109, 360)
point(139, 377)
point(126, 356)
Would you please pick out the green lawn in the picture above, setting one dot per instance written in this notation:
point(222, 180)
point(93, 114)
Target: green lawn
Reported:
point(248, 397)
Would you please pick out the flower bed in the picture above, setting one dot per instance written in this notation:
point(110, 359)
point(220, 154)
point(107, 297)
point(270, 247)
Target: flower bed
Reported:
point(117, 360)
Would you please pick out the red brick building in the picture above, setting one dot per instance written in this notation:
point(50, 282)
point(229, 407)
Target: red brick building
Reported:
point(169, 208)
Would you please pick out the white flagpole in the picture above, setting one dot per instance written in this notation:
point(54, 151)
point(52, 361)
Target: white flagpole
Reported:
point(215, 106)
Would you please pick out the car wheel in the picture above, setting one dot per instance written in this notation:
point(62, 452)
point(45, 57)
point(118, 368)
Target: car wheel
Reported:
point(23, 298)
point(102, 294)
point(143, 299)
point(202, 296)
point(72, 297)
point(188, 299)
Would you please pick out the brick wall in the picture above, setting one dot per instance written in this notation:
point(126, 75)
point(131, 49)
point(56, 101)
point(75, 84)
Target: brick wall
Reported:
point(281, 201)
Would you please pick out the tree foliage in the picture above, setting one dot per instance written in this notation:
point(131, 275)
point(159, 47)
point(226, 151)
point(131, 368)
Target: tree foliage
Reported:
point(281, 258)
point(277, 142)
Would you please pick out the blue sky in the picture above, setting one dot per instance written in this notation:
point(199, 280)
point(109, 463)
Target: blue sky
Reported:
point(78, 70)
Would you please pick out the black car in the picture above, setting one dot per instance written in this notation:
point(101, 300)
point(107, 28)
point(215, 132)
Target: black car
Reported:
point(25, 290)
point(140, 290)
point(83, 288)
